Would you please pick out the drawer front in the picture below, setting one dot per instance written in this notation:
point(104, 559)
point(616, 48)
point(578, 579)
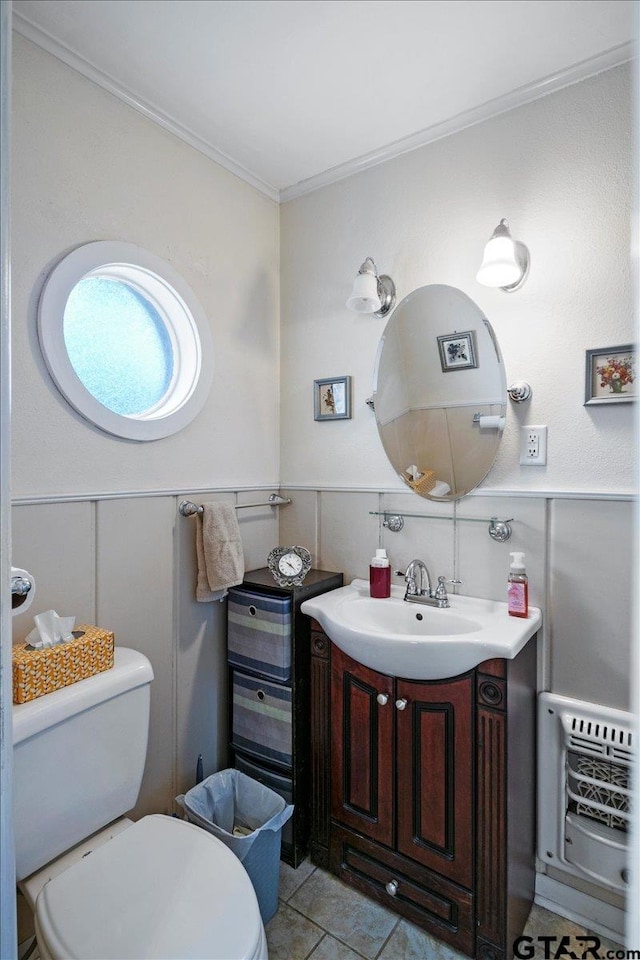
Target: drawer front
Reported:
point(259, 633)
point(283, 786)
point(424, 897)
point(262, 718)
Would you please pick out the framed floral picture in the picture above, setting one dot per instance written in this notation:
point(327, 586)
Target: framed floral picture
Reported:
point(457, 351)
point(332, 398)
point(610, 375)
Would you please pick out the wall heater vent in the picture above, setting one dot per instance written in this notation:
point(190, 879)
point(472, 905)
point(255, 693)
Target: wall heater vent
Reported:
point(585, 755)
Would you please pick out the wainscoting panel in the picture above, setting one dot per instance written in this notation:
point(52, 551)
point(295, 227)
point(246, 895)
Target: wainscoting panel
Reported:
point(258, 528)
point(429, 540)
point(590, 586)
point(298, 521)
point(201, 680)
point(348, 535)
point(130, 565)
point(134, 563)
point(484, 564)
point(56, 543)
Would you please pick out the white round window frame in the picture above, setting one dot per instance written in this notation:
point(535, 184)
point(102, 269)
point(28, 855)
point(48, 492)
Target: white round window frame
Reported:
point(181, 312)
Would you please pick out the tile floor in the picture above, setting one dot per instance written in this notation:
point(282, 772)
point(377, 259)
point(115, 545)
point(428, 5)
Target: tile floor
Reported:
point(320, 918)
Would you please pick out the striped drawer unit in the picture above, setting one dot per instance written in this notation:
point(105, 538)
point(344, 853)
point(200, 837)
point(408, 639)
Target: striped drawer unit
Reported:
point(269, 658)
point(261, 721)
point(259, 633)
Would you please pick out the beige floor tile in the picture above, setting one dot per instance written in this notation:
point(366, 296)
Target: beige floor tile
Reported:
point(290, 936)
point(291, 879)
point(332, 949)
point(408, 942)
point(543, 923)
point(358, 922)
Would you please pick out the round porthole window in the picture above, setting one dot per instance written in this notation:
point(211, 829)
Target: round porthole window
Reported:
point(125, 340)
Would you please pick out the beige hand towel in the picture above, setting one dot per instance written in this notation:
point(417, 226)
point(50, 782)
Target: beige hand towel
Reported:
point(219, 550)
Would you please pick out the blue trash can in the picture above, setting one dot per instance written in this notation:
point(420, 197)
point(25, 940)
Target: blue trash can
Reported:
point(248, 817)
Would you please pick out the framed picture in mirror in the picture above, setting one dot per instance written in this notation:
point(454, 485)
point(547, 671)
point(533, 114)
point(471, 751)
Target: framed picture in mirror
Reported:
point(457, 351)
point(610, 375)
point(332, 398)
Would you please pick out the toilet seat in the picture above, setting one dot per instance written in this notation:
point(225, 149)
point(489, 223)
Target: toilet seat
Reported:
point(163, 888)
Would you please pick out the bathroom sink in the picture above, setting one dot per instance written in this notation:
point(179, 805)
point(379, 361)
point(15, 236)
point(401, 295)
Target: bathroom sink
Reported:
point(416, 641)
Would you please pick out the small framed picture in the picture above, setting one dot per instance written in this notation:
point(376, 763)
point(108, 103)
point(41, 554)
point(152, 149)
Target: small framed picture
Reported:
point(332, 398)
point(457, 351)
point(610, 375)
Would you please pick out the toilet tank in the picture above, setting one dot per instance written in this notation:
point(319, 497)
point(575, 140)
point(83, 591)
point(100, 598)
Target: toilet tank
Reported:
point(78, 757)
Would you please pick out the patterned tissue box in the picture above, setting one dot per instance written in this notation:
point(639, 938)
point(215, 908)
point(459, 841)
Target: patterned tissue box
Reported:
point(36, 672)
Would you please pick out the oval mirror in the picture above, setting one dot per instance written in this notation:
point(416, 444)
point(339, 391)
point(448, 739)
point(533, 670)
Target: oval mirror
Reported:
point(440, 392)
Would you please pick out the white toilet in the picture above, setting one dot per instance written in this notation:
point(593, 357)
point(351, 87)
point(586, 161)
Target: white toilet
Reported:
point(159, 888)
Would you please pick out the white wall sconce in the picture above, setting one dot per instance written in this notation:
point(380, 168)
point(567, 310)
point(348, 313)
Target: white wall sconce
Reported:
point(372, 293)
point(505, 263)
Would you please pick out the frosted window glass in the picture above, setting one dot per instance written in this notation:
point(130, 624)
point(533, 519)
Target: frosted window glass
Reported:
point(125, 340)
point(118, 345)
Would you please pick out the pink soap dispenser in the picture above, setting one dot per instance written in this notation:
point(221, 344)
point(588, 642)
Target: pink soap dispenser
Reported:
point(518, 587)
point(380, 575)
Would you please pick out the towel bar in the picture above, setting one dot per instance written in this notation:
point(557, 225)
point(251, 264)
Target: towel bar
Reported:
point(186, 508)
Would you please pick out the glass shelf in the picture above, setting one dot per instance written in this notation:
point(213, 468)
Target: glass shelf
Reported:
point(499, 530)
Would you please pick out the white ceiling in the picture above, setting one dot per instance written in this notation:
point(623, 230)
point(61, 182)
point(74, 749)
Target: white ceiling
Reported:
point(291, 94)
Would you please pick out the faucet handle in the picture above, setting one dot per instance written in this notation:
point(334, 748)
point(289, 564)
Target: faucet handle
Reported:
point(441, 590)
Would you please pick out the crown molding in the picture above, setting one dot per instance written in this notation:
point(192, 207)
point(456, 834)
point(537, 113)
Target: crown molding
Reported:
point(43, 39)
point(614, 57)
point(492, 108)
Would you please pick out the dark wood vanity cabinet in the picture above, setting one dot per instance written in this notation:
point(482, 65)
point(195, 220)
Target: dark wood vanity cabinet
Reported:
point(424, 793)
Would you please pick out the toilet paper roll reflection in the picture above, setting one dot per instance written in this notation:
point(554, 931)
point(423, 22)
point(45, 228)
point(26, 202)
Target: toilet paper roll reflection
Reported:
point(23, 590)
point(491, 423)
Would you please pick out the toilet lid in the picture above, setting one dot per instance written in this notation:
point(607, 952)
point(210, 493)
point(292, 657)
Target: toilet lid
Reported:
point(164, 888)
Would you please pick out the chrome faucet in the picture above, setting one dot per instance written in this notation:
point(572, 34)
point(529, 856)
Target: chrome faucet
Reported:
point(416, 591)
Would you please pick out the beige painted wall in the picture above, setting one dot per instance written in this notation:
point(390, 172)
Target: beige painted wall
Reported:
point(87, 167)
point(560, 170)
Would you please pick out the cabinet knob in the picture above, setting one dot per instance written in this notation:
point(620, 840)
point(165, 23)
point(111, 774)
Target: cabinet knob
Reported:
point(392, 888)
point(382, 699)
point(402, 703)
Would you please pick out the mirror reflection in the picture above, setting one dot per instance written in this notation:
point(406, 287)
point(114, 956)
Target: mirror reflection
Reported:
point(440, 392)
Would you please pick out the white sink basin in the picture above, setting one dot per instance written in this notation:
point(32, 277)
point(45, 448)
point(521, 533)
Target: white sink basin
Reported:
point(416, 641)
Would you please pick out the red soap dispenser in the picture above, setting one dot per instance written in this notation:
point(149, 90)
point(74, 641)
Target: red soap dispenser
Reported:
point(518, 587)
point(380, 575)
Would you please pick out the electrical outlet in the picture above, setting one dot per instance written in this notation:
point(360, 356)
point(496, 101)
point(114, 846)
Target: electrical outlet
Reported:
point(533, 446)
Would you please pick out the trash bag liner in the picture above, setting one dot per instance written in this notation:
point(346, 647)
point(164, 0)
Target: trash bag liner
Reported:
point(231, 798)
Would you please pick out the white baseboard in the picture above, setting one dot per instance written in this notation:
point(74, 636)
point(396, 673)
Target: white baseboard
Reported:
point(581, 908)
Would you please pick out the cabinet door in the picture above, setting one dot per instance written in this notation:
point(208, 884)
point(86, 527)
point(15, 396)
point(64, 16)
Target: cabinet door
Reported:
point(362, 781)
point(435, 775)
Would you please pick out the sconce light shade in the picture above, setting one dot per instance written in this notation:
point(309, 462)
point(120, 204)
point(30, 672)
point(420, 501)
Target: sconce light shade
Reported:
point(505, 263)
point(371, 293)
